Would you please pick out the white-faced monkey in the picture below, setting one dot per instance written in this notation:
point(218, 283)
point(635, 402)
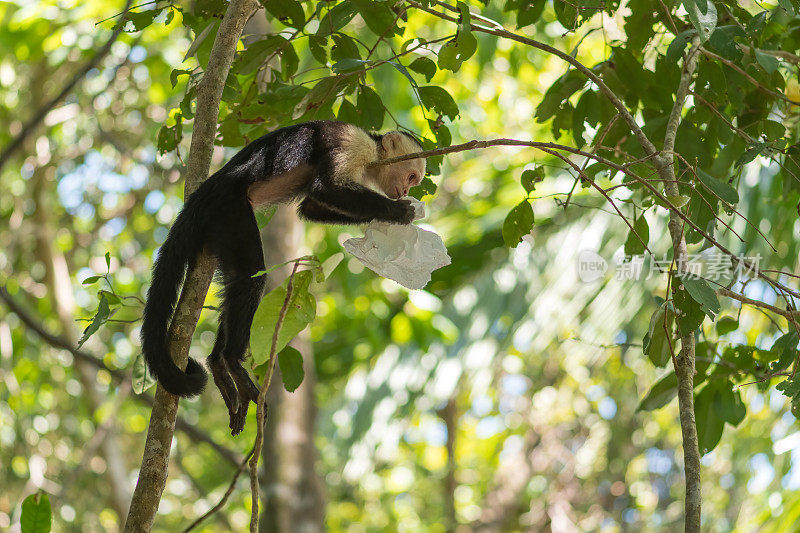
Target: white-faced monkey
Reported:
point(321, 163)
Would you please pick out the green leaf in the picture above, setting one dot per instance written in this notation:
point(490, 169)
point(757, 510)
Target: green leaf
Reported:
point(36, 515)
point(767, 61)
point(704, 20)
point(678, 200)
point(726, 324)
point(530, 178)
point(300, 312)
point(108, 260)
point(263, 216)
point(112, 298)
point(330, 264)
point(344, 47)
point(785, 348)
point(348, 112)
point(100, 318)
point(316, 46)
point(773, 129)
point(349, 64)
point(678, 45)
point(291, 363)
point(256, 53)
point(701, 293)
point(90, 280)
point(730, 407)
point(378, 17)
point(566, 13)
point(638, 237)
point(723, 190)
point(457, 50)
point(709, 423)
point(689, 314)
point(290, 12)
point(438, 99)
point(529, 12)
point(751, 153)
point(558, 93)
point(173, 76)
point(425, 188)
point(370, 108)
point(323, 92)
point(199, 40)
point(141, 379)
point(404, 71)
point(336, 18)
point(656, 343)
point(518, 223)
point(660, 394)
point(141, 19)
point(424, 66)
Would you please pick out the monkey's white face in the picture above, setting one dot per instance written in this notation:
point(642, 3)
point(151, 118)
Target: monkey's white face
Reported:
point(396, 179)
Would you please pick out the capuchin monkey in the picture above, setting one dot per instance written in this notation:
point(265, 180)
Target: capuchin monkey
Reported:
point(322, 164)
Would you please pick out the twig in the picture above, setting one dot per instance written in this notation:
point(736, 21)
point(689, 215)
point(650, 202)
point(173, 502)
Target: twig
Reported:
point(225, 496)
point(42, 112)
point(476, 144)
point(756, 303)
point(262, 396)
point(747, 76)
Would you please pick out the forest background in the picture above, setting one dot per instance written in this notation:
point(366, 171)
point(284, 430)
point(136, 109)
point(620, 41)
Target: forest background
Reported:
point(632, 240)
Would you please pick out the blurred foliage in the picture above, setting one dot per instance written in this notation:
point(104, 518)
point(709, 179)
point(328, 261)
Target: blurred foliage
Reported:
point(563, 399)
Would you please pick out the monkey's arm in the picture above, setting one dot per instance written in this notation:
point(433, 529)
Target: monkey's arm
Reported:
point(358, 202)
point(317, 212)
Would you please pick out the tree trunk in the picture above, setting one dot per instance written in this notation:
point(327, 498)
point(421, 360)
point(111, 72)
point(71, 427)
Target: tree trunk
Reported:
point(153, 472)
point(293, 497)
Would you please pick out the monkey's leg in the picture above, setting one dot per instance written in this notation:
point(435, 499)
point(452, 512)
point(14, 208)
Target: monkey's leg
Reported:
point(238, 249)
point(315, 211)
point(358, 201)
point(219, 371)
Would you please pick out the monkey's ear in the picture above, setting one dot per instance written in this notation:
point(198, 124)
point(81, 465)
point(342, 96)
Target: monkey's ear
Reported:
point(391, 141)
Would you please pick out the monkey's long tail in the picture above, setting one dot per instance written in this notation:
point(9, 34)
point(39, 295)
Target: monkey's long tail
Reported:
point(178, 251)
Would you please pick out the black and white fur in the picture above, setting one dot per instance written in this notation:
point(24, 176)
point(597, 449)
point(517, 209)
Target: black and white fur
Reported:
point(324, 165)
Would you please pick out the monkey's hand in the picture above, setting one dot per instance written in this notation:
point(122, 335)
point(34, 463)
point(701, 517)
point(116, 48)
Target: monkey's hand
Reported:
point(402, 212)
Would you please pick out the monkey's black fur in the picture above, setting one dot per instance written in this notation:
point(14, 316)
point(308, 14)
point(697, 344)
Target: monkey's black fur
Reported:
point(219, 217)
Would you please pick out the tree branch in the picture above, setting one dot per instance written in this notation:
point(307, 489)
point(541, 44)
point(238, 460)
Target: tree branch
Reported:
point(684, 364)
point(34, 324)
point(786, 313)
point(475, 144)
point(42, 112)
point(261, 414)
point(644, 141)
point(153, 472)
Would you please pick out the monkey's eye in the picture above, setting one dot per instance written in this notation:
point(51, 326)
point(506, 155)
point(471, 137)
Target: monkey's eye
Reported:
point(412, 177)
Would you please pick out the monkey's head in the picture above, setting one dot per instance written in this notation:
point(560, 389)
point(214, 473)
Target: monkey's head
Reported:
point(396, 179)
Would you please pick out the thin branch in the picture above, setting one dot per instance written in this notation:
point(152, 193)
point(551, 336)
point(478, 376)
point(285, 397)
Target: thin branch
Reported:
point(225, 496)
point(261, 414)
point(684, 363)
point(42, 112)
point(756, 303)
point(747, 76)
point(476, 144)
point(119, 376)
point(582, 175)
